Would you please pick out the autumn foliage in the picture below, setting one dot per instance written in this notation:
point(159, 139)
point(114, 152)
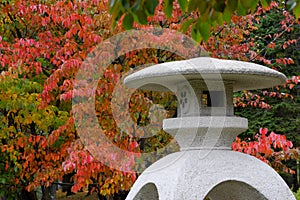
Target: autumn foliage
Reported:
point(273, 149)
point(42, 47)
point(44, 44)
point(34, 141)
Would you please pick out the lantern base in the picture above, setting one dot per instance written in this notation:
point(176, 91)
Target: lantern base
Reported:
point(215, 174)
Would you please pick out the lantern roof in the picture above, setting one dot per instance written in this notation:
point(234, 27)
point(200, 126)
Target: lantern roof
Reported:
point(244, 75)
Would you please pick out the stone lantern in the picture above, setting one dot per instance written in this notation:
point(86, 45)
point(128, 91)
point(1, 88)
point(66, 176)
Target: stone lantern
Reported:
point(205, 127)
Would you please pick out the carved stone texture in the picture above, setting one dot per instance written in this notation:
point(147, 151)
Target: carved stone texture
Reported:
point(205, 128)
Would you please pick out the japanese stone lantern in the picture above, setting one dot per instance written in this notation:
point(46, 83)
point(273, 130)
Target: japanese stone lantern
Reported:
point(205, 127)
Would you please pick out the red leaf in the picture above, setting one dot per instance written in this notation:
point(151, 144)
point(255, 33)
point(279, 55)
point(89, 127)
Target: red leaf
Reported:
point(263, 131)
point(295, 79)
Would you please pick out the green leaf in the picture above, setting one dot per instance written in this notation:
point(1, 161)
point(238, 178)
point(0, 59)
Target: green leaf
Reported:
point(195, 33)
point(291, 4)
point(2, 180)
point(151, 5)
point(141, 16)
point(232, 5)
point(254, 5)
point(128, 21)
point(204, 29)
point(227, 15)
point(218, 19)
point(219, 5)
point(203, 6)
point(136, 6)
point(116, 11)
point(241, 10)
point(185, 25)
point(183, 4)
point(111, 3)
point(126, 4)
point(168, 7)
point(193, 5)
point(296, 10)
point(264, 3)
point(246, 4)
point(214, 16)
